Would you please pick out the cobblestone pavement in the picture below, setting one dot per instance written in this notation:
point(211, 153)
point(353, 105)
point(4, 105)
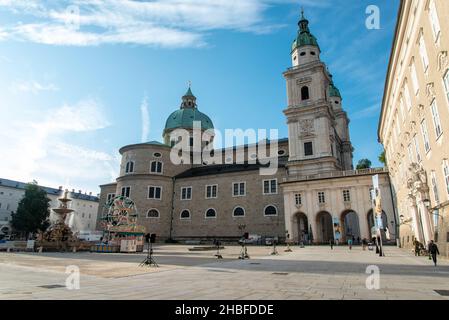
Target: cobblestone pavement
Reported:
point(304, 274)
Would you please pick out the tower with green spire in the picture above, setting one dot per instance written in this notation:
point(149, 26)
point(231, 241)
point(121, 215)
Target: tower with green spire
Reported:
point(305, 47)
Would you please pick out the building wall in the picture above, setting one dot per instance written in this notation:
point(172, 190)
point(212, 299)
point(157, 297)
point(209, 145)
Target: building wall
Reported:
point(407, 107)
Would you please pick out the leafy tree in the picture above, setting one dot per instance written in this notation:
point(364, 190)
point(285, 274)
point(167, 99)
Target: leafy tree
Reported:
point(364, 164)
point(33, 212)
point(383, 158)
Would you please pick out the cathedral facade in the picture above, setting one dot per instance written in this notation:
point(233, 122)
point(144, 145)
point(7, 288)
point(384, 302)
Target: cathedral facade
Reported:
point(314, 195)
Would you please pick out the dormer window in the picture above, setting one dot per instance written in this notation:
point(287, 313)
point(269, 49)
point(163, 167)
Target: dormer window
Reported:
point(305, 93)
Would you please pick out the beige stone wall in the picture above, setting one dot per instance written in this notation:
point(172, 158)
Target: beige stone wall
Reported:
point(407, 105)
point(225, 225)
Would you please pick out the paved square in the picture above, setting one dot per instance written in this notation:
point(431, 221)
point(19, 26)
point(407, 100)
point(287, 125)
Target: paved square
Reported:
point(307, 273)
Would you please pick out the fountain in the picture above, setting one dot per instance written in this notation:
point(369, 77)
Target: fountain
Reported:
point(59, 236)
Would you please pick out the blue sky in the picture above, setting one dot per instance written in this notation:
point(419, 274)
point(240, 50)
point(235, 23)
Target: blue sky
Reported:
point(71, 97)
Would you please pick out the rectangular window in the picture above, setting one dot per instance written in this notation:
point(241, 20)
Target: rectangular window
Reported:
point(154, 192)
point(423, 53)
point(425, 136)
point(186, 193)
point(211, 191)
point(446, 85)
point(434, 21)
point(129, 167)
point(308, 149)
point(270, 186)
point(346, 196)
point(418, 154)
point(414, 78)
point(436, 119)
point(238, 189)
point(156, 167)
point(321, 198)
point(433, 179)
point(110, 196)
point(408, 100)
point(446, 174)
point(298, 199)
point(126, 192)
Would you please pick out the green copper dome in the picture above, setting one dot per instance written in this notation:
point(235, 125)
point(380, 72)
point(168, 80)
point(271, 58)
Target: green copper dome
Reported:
point(304, 38)
point(184, 117)
point(333, 91)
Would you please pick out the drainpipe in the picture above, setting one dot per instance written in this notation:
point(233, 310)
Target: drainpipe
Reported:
point(172, 208)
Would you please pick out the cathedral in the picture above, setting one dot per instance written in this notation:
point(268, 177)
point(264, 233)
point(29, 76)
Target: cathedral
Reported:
point(315, 195)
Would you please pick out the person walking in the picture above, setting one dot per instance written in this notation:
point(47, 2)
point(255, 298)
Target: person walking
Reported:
point(433, 251)
point(331, 242)
point(350, 243)
point(417, 247)
point(364, 243)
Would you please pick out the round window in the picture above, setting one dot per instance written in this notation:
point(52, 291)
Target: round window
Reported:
point(157, 155)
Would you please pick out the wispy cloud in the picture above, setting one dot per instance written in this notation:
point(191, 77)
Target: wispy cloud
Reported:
point(38, 149)
point(31, 86)
point(167, 23)
point(145, 119)
point(369, 112)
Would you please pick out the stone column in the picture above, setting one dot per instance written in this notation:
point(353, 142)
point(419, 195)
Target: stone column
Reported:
point(415, 218)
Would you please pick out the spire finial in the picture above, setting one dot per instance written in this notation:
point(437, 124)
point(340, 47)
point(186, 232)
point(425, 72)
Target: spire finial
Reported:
point(190, 84)
point(302, 12)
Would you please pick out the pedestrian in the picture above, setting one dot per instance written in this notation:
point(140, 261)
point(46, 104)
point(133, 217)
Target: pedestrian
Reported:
point(364, 243)
point(417, 247)
point(358, 240)
point(433, 251)
point(350, 243)
point(331, 242)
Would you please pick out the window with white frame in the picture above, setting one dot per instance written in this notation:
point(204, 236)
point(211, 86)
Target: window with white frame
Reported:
point(153, 213)
point(156, 167)
point(186, 193)
point(270, 211)
point(154, 192)
point(298, 199)
point(433, 179)
point(425, 136)
point(408, 100)
point(270, 186)
point(110, 196)
point(238, 212)
point(446, 174)
point(446, 84)
point(185, 214)
point(436, 119)
point(346, 196)
point(414, 77)
point(238, 189)
point(126, 192)
point(423, 53)
point(211, 213)
point(321, 198)
point(129, 168)
point(418, 153)
point(211, 191)
point(434, 21)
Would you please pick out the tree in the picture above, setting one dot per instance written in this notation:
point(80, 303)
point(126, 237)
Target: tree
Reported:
point(383, 158)
point(364, 164)
point(33, 212)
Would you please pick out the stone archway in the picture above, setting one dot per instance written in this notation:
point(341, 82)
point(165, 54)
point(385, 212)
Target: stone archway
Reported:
point(300, 227)
point(349, 220)
point(325, 229)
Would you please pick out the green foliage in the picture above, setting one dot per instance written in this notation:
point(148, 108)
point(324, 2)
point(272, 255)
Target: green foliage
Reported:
point(364, 164)
point(33, 211)
point(383, 158)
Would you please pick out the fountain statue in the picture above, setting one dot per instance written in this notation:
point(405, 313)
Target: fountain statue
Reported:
point(59, 236)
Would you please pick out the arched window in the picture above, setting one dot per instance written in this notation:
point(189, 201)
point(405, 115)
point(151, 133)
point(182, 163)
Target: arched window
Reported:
point(185, 214)
point(270, 211)
point(238, 212)
point(129, 167)
point(211, 213)
point(153, 213)
point(305, 93)
point(156, 167)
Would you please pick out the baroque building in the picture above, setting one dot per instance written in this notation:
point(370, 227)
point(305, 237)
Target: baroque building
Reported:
point(314, 194)
point(414, 122)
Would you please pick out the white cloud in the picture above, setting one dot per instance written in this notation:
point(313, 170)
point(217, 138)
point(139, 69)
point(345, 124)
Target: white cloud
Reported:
point(368, 112)
point(31, 86)
point(145, 120)
point(37, 147)
point(168, 23)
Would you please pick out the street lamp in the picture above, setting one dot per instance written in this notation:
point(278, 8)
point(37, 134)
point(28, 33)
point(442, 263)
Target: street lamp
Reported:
point(426, 203)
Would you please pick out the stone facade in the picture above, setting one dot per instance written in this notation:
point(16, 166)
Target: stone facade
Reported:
point(214, 200)
point(415, 121)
